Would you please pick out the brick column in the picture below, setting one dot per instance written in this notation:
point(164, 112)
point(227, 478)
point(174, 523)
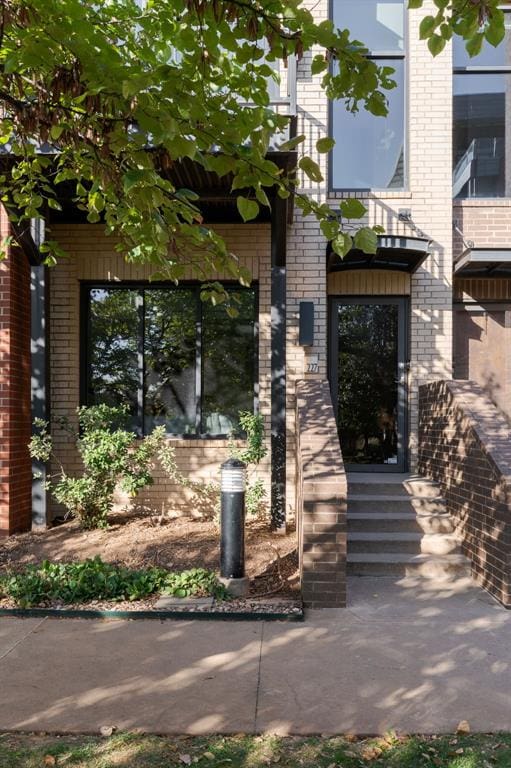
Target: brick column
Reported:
point(322, 493)
point(15, 416)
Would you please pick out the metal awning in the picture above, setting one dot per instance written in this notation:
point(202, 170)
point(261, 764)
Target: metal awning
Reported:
point(395, 252)
point(217, 201)
point(483, 262)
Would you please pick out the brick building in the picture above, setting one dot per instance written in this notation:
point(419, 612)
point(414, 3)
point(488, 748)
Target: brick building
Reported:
point(435, 174)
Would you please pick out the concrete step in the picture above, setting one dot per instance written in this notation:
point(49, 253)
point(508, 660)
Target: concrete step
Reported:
point(379, 484)
point(399, 522)
point(392, 504)
point(437, 567)
point(403, 543)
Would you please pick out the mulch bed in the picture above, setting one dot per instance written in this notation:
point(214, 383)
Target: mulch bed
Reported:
point(138, 540)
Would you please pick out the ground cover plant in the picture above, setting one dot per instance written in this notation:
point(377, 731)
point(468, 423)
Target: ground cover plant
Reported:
point(71, 583)
point(241, 751)
point(141, 539)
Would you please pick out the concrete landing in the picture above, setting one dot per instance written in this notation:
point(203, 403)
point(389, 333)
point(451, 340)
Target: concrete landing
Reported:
point(406, 655)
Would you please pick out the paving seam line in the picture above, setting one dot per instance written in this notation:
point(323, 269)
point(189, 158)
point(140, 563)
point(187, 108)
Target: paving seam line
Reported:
point(258, 686)
point(22, 639)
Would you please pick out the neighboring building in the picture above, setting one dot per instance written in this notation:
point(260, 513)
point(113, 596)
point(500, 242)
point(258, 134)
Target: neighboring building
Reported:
point(436, 174)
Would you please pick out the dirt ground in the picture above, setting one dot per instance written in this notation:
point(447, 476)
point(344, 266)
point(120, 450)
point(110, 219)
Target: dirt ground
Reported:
point(137, 540)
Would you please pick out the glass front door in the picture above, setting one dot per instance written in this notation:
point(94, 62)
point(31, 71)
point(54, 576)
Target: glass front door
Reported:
point(368, 381)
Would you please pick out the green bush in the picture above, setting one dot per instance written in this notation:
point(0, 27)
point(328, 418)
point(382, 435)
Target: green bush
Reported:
point(93, 579)
point(112, 456)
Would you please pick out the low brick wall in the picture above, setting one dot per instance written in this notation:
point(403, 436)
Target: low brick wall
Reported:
point(465, 445)
point(321, 498)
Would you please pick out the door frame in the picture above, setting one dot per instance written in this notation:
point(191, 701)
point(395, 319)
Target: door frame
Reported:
point(403, 353)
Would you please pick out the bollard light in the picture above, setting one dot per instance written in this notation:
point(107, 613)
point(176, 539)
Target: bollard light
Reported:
point(232, 513)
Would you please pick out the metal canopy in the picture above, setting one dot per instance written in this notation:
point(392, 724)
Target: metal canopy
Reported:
point(217, 201)
point(399, 253)
point(484, 262)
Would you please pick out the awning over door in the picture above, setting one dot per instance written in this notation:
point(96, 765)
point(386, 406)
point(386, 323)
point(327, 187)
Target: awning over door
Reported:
point(399, 253)
point(484, 262)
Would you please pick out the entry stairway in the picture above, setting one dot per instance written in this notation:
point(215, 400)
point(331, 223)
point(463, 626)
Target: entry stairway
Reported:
point(398, 525)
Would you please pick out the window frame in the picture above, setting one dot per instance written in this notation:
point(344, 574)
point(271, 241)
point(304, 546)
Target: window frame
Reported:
point(86, 286)
point(378, 56)
point(481, 69)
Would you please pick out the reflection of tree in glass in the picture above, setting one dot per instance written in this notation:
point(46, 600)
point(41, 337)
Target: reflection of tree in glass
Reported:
point(228, 360)
point(367, 397)
point(171, 318)
point(170, 352)
point(113, 368)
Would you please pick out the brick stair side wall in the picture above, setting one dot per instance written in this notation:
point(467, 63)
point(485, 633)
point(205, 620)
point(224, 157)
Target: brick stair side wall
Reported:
point(465, 446)
point(321, 498)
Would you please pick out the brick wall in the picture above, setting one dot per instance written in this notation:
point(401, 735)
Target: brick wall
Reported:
point(321, 498)
point(93, 257)
point(465, 445)
point(15, 417)
point(487, 223)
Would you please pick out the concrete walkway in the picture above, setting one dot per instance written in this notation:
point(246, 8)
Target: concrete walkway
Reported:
point(401, 656)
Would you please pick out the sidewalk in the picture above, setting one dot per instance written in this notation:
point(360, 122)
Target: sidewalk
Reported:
point(398, 657)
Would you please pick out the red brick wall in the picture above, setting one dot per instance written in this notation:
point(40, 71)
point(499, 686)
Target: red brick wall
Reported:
point(15, 417)
point(465, 446)
point(321, 498)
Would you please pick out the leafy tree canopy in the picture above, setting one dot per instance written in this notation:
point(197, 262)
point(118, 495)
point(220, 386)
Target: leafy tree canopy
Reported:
point(106, 95)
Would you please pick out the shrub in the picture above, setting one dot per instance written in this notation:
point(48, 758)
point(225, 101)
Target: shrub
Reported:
point(112, 457)
point(71, 583)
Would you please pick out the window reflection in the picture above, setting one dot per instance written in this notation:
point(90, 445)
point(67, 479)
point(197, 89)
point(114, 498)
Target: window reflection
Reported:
point(379, 24)
point(369, 150)
point(368, 383)
point(481, 136)
point(170, 351)
point(228, 364)
point(146, 347)
point(113, 375)
point(489, 55)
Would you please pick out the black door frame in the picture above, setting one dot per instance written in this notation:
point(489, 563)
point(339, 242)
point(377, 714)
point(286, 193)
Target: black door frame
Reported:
point(403, 353)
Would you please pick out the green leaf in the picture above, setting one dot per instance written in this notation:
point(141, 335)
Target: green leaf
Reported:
point(415, 4)
point(248, 209)
point(436, 44)
point(353, 208)
point(366, 240)
point(342, 244)
point(325, 144)
point(319, 64)
point(495, 32)
point(56, 132)
point(311, 169)
point(475, 44)
point(330, 229)
point(426, 27)
point(287, 146)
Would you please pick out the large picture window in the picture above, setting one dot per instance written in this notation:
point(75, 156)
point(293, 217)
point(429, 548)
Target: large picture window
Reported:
point(369, 152)
point(172, 359)
point(482, 125)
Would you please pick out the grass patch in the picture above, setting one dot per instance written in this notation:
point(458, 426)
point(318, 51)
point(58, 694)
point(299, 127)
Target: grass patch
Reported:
point(125, 750)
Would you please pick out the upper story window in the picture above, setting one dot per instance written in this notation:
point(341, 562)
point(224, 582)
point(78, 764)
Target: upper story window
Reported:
point(370, 151)
point(482, 120)
point(173, 359)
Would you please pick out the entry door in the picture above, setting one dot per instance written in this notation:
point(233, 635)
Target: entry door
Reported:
point(368, 376)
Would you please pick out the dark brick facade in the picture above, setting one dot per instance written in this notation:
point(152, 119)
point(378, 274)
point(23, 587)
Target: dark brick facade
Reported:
point(15, 416)
point(321, 498)
point(465, 446)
